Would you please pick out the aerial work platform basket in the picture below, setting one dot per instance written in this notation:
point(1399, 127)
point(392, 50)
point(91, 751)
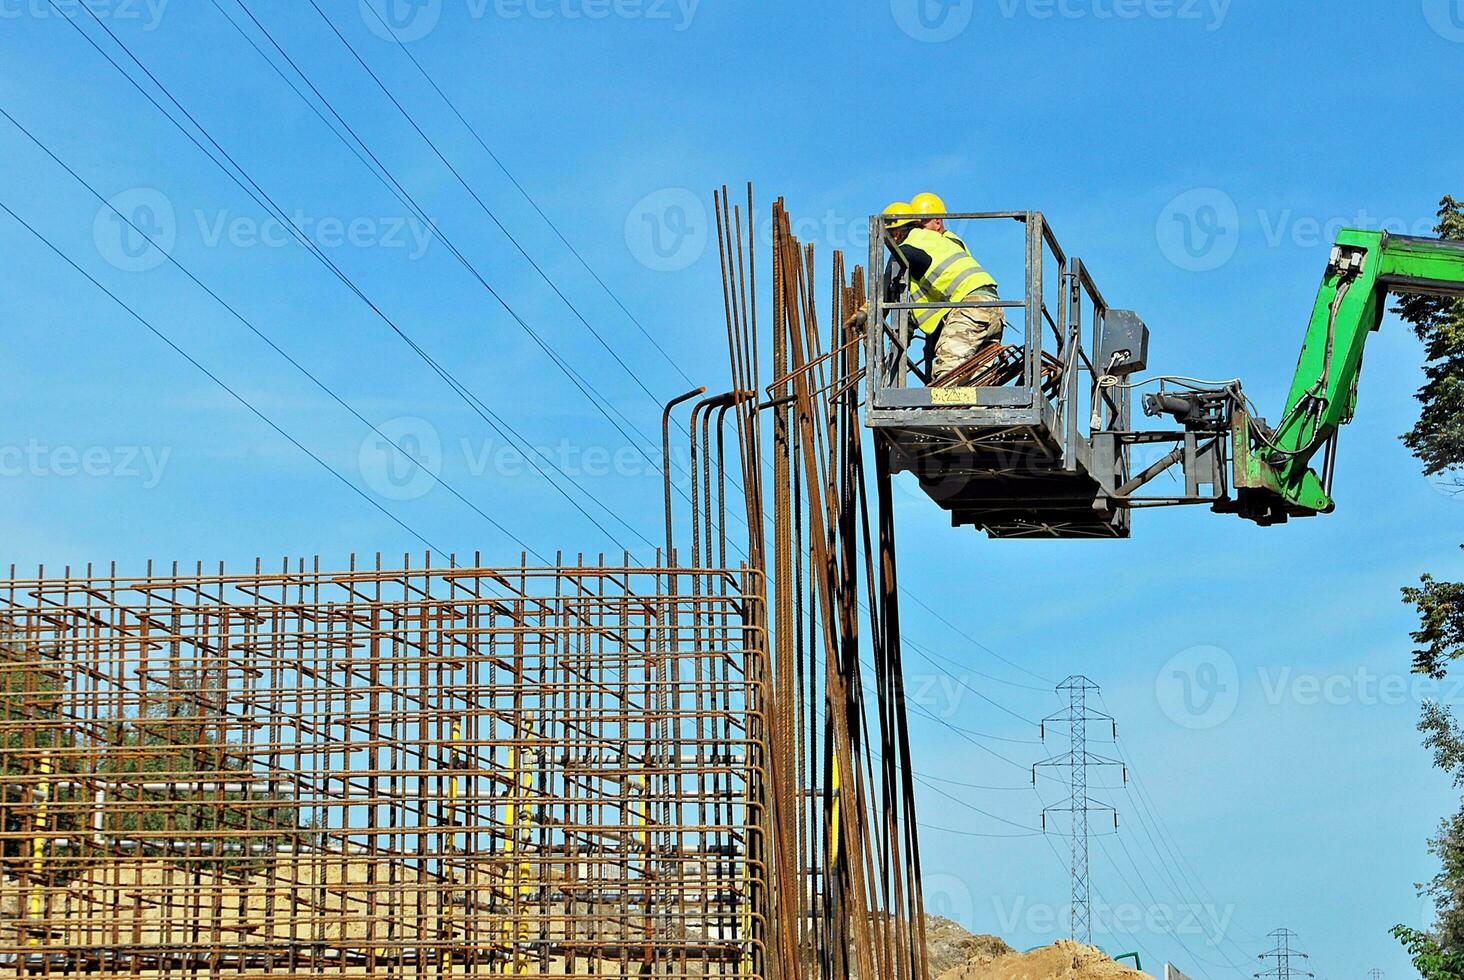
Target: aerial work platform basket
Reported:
point(1030, 438)
point(1034, 437)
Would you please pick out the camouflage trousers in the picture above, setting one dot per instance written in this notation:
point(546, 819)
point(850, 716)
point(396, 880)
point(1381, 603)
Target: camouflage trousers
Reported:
point(962, 334)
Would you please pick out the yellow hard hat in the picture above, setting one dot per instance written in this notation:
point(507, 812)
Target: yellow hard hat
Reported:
point(928, 204)
point(902, 212)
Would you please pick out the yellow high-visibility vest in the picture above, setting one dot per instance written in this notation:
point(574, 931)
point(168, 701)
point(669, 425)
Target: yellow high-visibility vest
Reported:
point(952, 277)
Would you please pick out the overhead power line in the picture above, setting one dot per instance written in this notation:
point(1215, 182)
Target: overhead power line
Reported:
point(1117, 924)
point(1153, 903)
point(473, 130)
point(1167, 868)
point(355, 53)
point(597, 399)
point(970, 833)
point(477, 199)
point(474, 402)
point(457, 174)
point(264, 200)
point(379, 169)
point(219, 381)
point(1174, 855)
point(975, 642)
point(293, 361)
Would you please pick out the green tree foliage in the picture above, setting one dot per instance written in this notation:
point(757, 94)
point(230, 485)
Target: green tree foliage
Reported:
point(29, 693)
point(1438, 442)
point(1438, 437)
point(168, 769)
point(189, 773)
point(1443, 736)
point(1441, 624)
point(1431, 960)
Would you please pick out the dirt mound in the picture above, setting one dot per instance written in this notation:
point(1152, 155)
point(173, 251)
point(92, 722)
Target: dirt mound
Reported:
point(949, 946)
point(1065, 960)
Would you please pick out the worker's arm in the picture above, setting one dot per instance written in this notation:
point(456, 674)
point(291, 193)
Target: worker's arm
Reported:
point(895, 276)
point(918, 259)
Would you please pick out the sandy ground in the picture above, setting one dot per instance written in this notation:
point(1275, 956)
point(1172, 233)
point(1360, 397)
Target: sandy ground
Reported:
point(1065, 960)
point(323, 914)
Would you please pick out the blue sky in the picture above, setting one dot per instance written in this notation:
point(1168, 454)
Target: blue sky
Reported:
point(1197, 155)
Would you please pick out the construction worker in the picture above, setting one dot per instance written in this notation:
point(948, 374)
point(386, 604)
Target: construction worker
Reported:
point(925, 204)
point(900, 219)
point(943, 271)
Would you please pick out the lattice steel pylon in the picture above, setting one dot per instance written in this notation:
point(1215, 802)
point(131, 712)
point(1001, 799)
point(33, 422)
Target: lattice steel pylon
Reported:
point(1079, 805)
point(1283, 954)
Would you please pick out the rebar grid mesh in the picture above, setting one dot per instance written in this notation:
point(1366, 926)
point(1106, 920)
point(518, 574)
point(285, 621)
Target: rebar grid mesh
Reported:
point(448, 772)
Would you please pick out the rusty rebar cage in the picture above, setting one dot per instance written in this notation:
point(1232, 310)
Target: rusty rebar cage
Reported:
point(383, 772)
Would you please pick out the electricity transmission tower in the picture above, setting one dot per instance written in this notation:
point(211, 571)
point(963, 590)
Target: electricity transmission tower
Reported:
point(1375, 974)
point(1077, 760)
point(1283, 954)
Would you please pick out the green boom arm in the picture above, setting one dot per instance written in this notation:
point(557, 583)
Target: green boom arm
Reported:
point(1274, 478)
